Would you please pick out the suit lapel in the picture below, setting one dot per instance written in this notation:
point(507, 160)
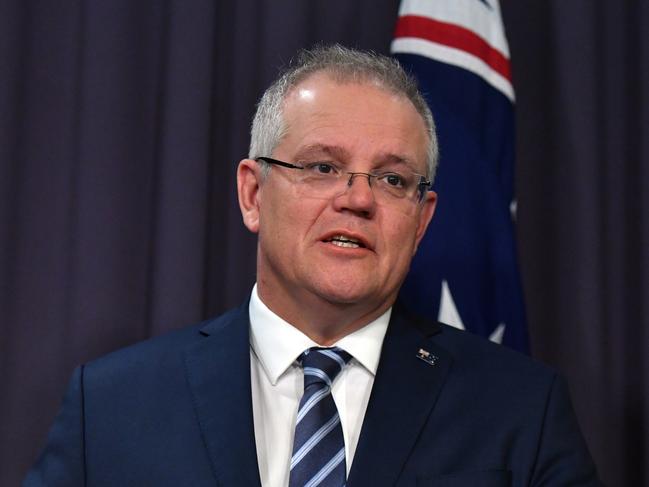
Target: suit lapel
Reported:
point(403, 395)
point(218, 373)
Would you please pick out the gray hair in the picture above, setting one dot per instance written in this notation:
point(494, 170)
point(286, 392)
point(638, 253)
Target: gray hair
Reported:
point(343, 65)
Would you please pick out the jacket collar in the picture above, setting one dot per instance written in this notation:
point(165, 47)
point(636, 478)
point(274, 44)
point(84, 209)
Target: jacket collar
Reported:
point(218, 373)
point(409, 379)
point(404, 393)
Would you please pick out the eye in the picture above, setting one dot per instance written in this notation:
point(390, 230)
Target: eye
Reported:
point(322, 168)
point(394, 179)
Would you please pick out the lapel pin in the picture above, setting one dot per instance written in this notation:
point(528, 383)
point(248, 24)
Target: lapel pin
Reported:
point(427, 357)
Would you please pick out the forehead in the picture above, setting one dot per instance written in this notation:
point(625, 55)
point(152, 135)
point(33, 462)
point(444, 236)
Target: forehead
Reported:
point(358, 117)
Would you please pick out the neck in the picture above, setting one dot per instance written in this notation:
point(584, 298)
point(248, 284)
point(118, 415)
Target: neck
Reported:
point(323, 321)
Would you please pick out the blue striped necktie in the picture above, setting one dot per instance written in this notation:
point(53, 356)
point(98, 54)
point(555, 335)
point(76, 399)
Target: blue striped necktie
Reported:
point(319, 448)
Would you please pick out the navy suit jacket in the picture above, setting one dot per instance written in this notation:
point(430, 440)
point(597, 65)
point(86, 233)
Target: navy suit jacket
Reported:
point(177, 411)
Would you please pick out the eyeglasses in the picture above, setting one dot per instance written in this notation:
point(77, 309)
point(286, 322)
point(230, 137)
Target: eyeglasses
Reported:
point(327, 179)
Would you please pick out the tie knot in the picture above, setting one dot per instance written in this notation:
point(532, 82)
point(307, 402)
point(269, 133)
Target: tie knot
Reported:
point(322, 365)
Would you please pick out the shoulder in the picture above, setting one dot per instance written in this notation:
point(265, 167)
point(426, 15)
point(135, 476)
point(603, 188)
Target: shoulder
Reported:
point(472, 352)
point(481, 364)
point(499, 379)
point(500, 407)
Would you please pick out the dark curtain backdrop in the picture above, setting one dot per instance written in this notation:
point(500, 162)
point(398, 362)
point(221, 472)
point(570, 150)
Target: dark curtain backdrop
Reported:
point(121, 124)
point(581, 72)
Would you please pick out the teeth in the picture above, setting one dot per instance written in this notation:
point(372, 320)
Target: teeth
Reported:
point(347, 242)
point(349, 245)
point(342, 238)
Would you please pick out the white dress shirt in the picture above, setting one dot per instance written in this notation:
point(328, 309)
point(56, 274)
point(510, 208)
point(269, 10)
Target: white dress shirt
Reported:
point(278, 383)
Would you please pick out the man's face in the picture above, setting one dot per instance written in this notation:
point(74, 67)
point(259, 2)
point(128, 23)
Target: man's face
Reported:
point(363, 129)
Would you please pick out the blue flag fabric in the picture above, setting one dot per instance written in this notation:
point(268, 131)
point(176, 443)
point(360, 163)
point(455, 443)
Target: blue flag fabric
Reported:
point(465, 272)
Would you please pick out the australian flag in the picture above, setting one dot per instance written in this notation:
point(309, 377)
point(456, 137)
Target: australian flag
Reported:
point(465, 273)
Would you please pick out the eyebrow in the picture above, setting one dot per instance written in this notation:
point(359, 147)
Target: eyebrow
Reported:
point(340, 154)
point(395, 159)
point(333, 151)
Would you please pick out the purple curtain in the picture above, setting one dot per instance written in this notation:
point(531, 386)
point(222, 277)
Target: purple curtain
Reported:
point(121, 124)
point(581, 70)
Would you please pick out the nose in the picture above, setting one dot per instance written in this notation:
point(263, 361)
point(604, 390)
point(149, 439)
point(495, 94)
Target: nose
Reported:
point(357, 197)
point(352, 175)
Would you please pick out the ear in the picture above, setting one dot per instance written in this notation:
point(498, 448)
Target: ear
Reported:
point(425, 216)
point(248, 186)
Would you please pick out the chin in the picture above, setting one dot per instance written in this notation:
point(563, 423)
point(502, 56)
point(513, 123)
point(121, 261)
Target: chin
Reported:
point(347, 293)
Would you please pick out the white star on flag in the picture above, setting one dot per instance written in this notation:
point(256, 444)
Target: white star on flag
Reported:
point(449, 314)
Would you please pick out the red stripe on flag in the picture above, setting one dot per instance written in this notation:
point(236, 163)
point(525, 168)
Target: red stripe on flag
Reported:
point(453, 36)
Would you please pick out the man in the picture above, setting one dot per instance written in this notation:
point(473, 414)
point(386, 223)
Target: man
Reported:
point(321, 379)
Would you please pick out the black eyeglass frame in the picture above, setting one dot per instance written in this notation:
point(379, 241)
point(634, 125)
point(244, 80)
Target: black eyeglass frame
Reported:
point(423, 185)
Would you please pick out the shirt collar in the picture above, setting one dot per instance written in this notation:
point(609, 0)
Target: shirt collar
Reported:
point(277, 343)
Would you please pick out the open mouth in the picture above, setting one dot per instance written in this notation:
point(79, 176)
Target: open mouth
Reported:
point(346, 242)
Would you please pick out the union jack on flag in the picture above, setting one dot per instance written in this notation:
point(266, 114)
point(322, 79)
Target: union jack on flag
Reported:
point(465, 272)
